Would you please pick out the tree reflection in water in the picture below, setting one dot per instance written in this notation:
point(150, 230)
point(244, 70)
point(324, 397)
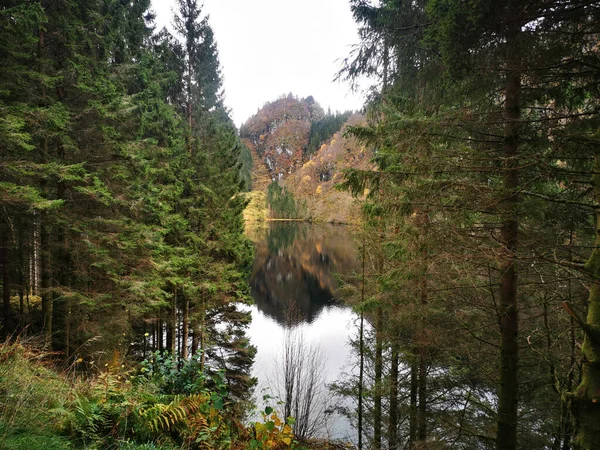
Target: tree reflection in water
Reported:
point(299, 262)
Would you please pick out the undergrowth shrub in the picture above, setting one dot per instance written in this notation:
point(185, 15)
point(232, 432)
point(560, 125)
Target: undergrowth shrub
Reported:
point(272, 432)
point(29, 392)
point(164, 405)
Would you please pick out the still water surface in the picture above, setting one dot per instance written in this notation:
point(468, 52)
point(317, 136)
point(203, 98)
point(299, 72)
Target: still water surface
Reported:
point(297, 266)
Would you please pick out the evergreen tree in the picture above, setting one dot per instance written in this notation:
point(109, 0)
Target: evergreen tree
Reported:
point(464, 168)
point(119, 186)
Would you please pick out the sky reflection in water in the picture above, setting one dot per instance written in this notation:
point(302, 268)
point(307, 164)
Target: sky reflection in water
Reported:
point(298, 264)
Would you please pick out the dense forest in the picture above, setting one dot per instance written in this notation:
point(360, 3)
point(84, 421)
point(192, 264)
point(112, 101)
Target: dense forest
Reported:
point(124, 265)
point(478, 296)
point(120, 217)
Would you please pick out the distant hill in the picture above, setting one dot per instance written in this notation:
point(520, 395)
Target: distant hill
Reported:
point(293, 142)
point(279, 133)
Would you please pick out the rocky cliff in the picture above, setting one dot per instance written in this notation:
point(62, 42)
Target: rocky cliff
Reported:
point(278, 135)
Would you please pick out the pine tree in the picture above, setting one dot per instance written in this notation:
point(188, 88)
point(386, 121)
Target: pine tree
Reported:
point(449, 146)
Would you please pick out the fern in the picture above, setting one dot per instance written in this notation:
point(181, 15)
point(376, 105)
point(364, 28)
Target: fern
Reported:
point(162, 417)
point(87, 419)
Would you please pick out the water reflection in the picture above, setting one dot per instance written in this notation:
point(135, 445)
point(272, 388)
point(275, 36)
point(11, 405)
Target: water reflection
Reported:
point(299, 263)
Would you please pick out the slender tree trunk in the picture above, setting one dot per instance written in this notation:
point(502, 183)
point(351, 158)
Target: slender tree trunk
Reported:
point(361, 371)
point(414, 387)
point(47, 300)
point(62, 308)
point(423, 219)
point(154, 334)
point(508, 391)
point(146, 339)
point(203, 336)
point(159, 333)
point(393, 421)
point(568, 418)
point(46, 278)
point(586, 399)
point(169, 331)
point(378, 379)
point(173, 325)
point(195, 338)
point(34, 278)
point(422, 390)
point(361, 375)
point(7, 314)
point(185, 327)
point(22, 269)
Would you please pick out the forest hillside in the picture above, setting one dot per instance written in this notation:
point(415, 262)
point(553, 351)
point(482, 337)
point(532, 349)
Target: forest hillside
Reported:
point(299, 155)
point(315, 181)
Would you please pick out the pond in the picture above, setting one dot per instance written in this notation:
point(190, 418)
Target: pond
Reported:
point(296, 272)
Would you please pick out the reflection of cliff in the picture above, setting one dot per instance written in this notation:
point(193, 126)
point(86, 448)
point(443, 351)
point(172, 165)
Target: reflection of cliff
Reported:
point(297, 264)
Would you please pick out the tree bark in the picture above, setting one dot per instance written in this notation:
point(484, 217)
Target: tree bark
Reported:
point(173, 324)
point(185, 327)
point(203, 336)
point(7, 314)
point(378, 379)
point(47, 300)
point(62, 306)
point(159, 333)
point(361, 375)
point(414, 386)
point(422, 391)
point(195, 338)
point(586, 399)
point(361, 371)
point(393, 420)
point(508, 392)
point(423, 220)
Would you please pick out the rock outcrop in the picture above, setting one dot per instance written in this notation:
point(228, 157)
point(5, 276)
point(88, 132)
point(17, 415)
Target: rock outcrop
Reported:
point(279, 132)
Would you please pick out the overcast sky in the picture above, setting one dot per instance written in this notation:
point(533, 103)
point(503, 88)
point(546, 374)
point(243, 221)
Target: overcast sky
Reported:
point(272, 47)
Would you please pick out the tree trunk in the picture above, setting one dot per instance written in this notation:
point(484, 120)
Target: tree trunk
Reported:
point(159, 333)
point(586, 399)
point(414, 387)
point(173, 324)
point(203, 336)
point(361, 375)
point(422, 391)
point(423, 220)
point(7, 314)
point(146, 339)
point(169, 330)
point(568, 419)
point(185, 327)
point(46, 284)
point(361, 372)
point(393, 422)
point(63, 305)
point(22, 269)
point(195, 338)
point(506, 438)
point(378, 376)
